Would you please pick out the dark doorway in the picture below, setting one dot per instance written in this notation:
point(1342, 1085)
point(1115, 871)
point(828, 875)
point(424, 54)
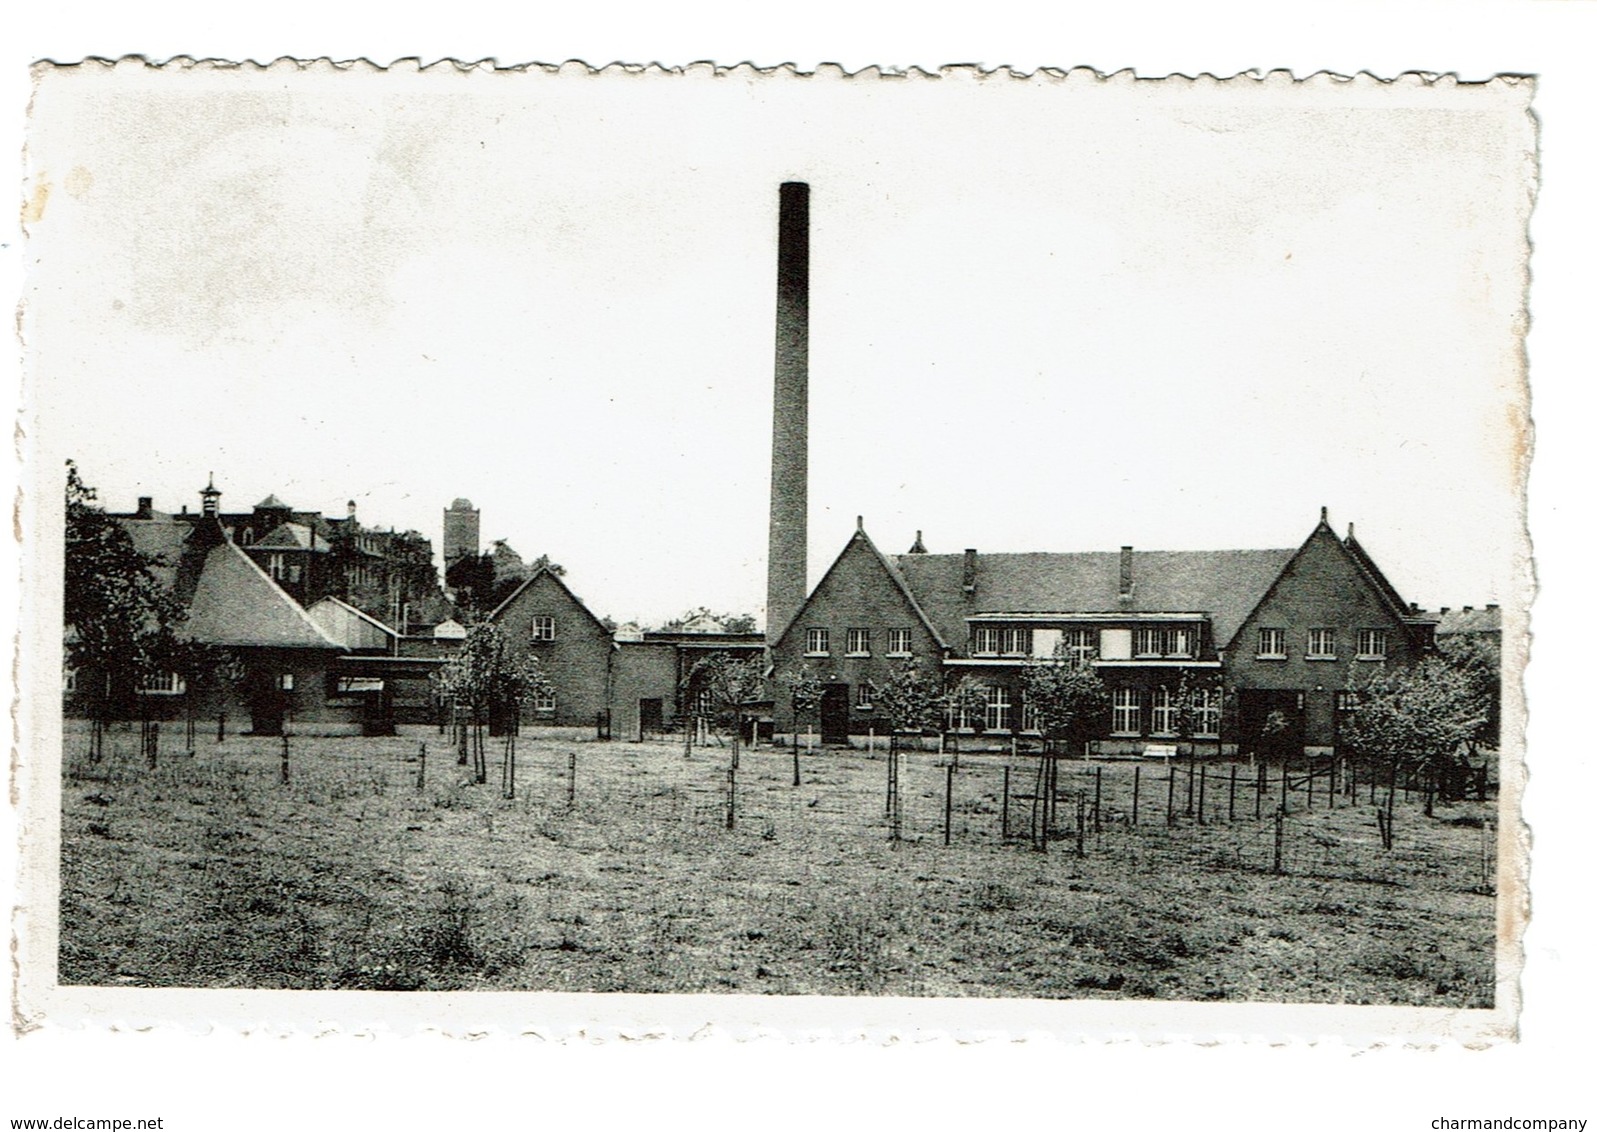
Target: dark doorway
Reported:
point(267, 706)
point(651, 716)
point(834, 714)
point(1271, 722)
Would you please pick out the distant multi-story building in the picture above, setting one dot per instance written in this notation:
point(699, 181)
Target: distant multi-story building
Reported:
point(385, 573)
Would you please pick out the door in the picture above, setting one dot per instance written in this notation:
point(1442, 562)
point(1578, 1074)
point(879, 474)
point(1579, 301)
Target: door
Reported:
point(651, 716)
point(267, 706)
point(834, 714)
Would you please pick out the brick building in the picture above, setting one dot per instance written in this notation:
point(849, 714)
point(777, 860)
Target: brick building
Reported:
point(1283, 629)
point(543, 618)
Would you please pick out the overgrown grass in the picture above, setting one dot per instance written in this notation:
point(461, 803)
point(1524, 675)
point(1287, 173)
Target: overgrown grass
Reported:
point(208, 871)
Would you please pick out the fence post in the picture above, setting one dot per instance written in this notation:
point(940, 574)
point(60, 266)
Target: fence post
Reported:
point(221, 726)
point(795, 761)
point(1191, 768)
point(1097, 801)
point(1231, 802)
point(1006, 805)
point(421, 767)
point(1261, 786)
point(285, 759)
point(1081, 824)
point(1136, 791)
point(1203, 782)
point(731, 795)
point(571, 779)
point(948, 807)
point(1309, 782)
point(1170, 793)
point(1280, 837)
point(1286, 775)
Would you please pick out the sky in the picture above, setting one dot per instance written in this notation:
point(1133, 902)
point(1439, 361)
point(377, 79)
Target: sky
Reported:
point(1045, 315)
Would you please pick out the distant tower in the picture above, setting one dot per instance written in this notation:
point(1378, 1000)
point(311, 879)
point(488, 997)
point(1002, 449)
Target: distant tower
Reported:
point(462, 531)
point(787, 564)
point(210, 498)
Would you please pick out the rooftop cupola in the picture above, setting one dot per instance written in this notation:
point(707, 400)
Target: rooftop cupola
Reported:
point(210, 498)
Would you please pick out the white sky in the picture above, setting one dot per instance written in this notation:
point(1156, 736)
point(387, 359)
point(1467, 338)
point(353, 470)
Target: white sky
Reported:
point(1044, 316)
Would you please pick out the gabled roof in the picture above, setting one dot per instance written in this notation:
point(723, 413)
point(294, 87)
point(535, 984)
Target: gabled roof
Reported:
point(292, 536)
point(162, 539)
point(1224, 584)
point(237, 604)
point(338, 603)
point(893, 572)
point(540, 572)
point(272, 503)
point(1373, 572)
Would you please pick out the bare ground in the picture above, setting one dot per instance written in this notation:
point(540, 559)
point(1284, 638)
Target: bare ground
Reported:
point(208, 871)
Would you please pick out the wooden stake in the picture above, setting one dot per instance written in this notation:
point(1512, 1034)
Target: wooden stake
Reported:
point(1203, 782)
point(1280, 837)
point(285, 760)
point(1097, 801)
point(795, 762)
point(421, 767)
point(1309, 782)
point(221, 726)
point(1006, 805)
point(1170, 794)
point(948, 807)
point(1231, 802)
point(1136, 791)
point(1261, 784)
point(731, 796)
point(1081, 824)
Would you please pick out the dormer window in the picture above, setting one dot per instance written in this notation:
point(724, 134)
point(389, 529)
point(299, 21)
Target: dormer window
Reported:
point(987, 640)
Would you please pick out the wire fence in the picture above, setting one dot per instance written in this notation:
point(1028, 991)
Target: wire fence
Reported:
point(1317, 820)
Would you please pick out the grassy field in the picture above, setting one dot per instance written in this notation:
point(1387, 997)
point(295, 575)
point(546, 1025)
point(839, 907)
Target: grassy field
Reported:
point(208, 871)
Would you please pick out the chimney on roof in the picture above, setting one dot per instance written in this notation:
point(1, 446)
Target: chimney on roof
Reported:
point(146, 505)
point(1126, 583)
point(787, 551)
point(1469, 609)
point(1491, 605)
point(859, 524)
point(351, 508)
point(1441, 610)
point(1414, 607)
point(969, 580)
point(919, 547)
point(1325, 515)
point(1350, 533)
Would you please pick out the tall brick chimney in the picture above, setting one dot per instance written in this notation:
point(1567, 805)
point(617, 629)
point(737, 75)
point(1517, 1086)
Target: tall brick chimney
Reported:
point(787, 565)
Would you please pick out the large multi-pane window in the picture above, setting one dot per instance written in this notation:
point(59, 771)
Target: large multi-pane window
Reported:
point(898, 642)
point(1272, 643)
point(859, 642)
point(1372, 644)
point(1322, 644)
point(1081, 645)
point(162, 684)
point(1153, 641)
point(543, 627)
point(1127, 712)
point(987, 639)
point(998, 705)
point(1206, 712)
point(991, 640)
point(817, 642)
point(1164, 711)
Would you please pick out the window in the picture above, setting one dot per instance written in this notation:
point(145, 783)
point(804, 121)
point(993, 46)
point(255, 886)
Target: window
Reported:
point(248, 537)
point(1081, 645)
point(817, 642)
point(1164, 711)
point(1272, 643)
point(1127, 712)
point(543, 627)
point(1347, 701)
point(997, 708)
point(276, 567)
point(293, 573)
point(1163, 642)
point(1206, 712)
point(162, 684)
point(859, 642)
point(898, 642)
point(69, 680)
point(863, 692)
point(1322, 644)
point(987, 640)
point(1014, 642)
point(957, 717)
point(1372, 644)
point(543, 701)
point(1028, 716)
point(286, 681)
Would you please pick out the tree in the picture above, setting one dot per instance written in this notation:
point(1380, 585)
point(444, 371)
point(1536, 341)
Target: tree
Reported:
point(964, 700)
point(804, 688)
point(1479, 658)
point(734, 686)
point(728, 622)
point(1194, 695)
point(908, 700)
point(124, 622)
point(492, 681)
point(1419, 718)
point(1068, 698)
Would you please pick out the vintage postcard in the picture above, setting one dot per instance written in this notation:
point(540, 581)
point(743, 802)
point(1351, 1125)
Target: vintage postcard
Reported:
point(617, 552)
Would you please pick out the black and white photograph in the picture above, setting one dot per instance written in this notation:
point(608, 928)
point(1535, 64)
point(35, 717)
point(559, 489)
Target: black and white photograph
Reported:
point(712, 532)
